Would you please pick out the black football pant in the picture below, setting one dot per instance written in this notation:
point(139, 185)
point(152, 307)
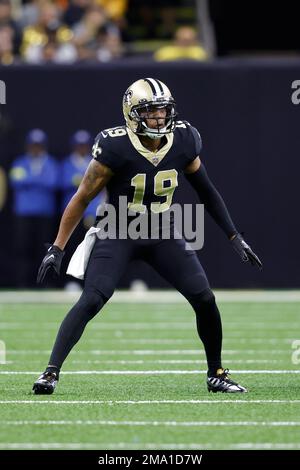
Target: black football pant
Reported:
point(170, 258)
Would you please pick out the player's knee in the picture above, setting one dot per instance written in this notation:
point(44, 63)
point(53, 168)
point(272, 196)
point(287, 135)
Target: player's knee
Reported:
point(194, 286)
point(202, 300)
point(91, 301)
point(106, 286)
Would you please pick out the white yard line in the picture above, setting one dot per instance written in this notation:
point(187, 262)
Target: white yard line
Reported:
point(150, 352)
point(265, 446)
point(159, 325)
point(233, 327)
point(134, 325)
point(148, 372)
point(149, 423)
point(160, 361)
point(144, 446)
point(151, 296)
point(114, 340)
point(100, 445)
point(231, 343)
point(146, 402)
point(118, 326)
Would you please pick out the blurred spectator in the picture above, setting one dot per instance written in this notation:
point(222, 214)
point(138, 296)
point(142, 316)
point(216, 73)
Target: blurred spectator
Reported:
point(185, 47)
point(73, 168)
point(75, 11)
point(86, 30)
point(34, 178)
point(115, 9)
point(72, 171)
point(108, 45)
point(29, 13)
point(36, 36)
point(52, 51)
point(6, 45)
point(6, 20)
point(96, 37)
point(63, 4)
point(116, 12)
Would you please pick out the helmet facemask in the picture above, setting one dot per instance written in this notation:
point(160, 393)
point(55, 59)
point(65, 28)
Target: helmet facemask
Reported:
point(142, 112)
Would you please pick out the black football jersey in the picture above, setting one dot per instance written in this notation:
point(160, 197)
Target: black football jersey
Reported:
point(148, 179)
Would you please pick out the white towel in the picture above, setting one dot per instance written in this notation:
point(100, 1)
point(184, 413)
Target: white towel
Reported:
point(81, 256)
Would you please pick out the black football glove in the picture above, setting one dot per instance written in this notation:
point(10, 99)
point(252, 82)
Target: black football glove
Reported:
point(245, 252)
point(51, 262)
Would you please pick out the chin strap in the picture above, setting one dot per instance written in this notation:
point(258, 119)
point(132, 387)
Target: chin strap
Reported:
point(155, 135)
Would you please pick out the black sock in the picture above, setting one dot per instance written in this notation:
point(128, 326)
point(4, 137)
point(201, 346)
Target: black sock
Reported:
point(212, 370)
point(53, 369)
point(209, 327)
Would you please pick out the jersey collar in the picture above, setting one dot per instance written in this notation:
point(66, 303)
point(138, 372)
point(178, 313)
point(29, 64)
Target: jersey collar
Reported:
point(153, 157)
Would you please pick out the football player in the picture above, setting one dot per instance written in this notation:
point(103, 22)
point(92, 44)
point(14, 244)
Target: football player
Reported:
point(141, 161)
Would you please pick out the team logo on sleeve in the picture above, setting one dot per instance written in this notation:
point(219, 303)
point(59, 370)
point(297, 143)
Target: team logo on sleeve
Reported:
point(96, 150)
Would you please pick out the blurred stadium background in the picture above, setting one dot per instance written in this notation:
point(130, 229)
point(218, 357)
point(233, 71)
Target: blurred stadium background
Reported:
point(64, 66)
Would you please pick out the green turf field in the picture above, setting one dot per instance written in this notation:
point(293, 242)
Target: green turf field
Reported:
point(139, 379)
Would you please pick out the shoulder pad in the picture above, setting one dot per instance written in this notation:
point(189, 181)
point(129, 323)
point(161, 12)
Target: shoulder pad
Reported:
point(192, 139)
point(107, 148)
point(112, 133)
point(182, 125)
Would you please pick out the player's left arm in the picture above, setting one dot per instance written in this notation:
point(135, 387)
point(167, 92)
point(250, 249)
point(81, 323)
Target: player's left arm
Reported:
point(196, 174)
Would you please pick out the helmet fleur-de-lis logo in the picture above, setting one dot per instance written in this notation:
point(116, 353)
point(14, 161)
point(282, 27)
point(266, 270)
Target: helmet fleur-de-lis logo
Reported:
point(127, 97)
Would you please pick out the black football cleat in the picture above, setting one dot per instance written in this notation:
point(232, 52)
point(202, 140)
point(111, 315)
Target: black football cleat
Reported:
point(45, 384)
point(221, 382)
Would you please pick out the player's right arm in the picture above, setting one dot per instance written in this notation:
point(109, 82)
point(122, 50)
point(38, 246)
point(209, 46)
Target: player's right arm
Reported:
point(95, 179)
